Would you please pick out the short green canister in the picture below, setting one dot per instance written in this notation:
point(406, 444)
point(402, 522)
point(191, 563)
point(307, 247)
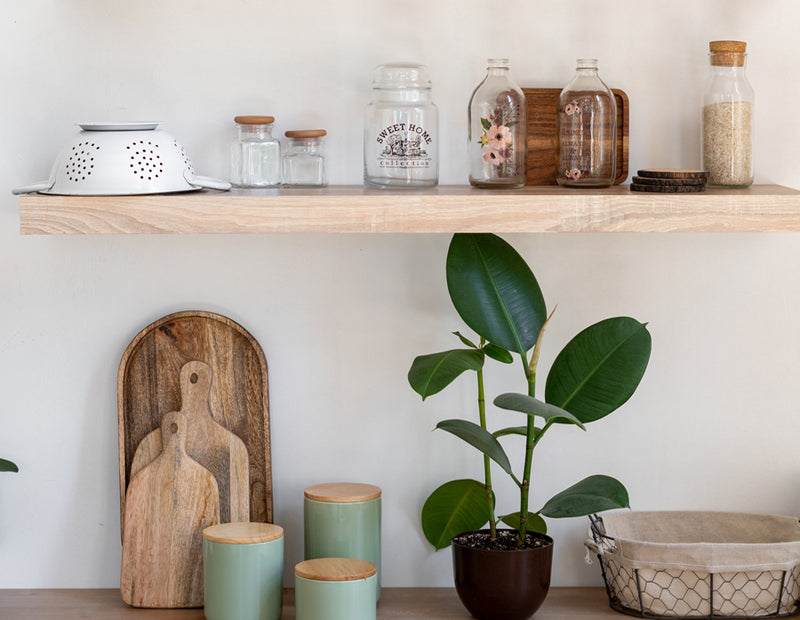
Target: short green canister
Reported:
point(335, 589)
point(243, 570)
point(343, 520)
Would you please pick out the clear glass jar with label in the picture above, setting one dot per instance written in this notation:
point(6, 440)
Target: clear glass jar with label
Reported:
point(401, 131)
point(255, 153)
point(304, 158)
point(586, 129)
point(727, 145)
point(498, 133)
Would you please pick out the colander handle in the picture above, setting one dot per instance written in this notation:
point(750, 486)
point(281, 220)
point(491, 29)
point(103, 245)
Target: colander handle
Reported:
point(30, 189)
point(209, 183)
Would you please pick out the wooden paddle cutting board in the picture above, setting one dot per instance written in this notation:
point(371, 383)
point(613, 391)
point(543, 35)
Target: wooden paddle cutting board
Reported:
point(150, 384)
point(212, 445)
point(169, 503)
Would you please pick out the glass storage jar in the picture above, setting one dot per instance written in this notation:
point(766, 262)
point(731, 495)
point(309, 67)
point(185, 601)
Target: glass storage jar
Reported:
point(727, 144)
point(401, 133)
point(498, 130)
point(255, 153)
point(304, 158)
point(586, 130)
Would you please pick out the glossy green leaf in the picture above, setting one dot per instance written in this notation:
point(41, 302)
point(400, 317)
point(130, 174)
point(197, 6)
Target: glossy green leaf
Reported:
point(535, 522)
point(498, 353)
point(455, 507)
point(432, 373)
point(599, 369)
point(590, 495)
point(495, 291)
point(533, 406)
point(8, 465)
point(479, 438)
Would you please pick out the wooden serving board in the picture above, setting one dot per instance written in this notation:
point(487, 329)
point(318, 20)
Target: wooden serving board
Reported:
point(542, 110)
point(149, 385)
point(169, 504)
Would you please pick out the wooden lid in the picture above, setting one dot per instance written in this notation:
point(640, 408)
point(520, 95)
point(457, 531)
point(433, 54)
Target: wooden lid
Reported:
point(727, 53)
point(342, 492)
point(305, 133)
point(243, 533)
point(254, 120)
point(335, 569)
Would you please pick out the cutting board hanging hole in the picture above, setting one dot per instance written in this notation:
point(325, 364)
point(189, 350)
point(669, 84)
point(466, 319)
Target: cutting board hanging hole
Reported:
point(193, 378)
point(174, 428)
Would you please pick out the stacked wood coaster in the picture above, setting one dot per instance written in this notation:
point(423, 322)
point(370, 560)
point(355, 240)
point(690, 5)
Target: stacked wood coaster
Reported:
point(669, 181)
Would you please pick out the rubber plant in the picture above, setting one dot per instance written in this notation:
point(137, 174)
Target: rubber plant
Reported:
point(498, 297)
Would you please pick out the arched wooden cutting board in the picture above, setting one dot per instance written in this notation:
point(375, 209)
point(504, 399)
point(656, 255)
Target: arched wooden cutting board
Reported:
point(148, 386)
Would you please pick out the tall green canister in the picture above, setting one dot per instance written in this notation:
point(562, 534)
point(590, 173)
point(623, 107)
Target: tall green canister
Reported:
point(243, 570)
point(343, 520)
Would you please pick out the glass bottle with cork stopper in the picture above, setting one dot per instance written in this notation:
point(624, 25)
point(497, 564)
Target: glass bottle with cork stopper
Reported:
point(727, 140)
point(255, 153)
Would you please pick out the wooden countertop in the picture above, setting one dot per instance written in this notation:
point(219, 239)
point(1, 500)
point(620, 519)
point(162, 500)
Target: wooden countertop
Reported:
point(430, 603)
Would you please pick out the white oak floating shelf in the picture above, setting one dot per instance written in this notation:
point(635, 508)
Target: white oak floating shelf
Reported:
point(445, 209)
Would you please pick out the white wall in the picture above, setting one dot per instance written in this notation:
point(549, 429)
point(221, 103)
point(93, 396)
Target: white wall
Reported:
point(340, 317)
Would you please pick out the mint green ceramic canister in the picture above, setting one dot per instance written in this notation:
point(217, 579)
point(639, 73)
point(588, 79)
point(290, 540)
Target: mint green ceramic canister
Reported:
point(343, 520)
point(243, 570)
point(335, 589)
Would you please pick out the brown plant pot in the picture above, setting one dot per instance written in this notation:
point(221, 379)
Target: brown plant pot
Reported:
point(502, 584)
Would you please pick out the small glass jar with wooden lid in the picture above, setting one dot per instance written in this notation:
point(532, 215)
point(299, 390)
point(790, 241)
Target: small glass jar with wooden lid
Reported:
point(304, 158)
point(255, 153)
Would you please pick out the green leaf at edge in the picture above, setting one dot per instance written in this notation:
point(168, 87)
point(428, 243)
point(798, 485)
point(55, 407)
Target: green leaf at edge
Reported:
point(498, 353)
point(6, 465)
point(593, 494)
point(455, 507)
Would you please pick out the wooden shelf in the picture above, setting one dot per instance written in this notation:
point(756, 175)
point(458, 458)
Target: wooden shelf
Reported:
point(429, 603)
point(445, 209)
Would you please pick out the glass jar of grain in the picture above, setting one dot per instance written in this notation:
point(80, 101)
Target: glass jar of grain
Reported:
point(728, 117)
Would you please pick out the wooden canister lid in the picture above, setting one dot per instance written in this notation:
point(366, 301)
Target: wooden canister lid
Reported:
point(243, 533)
point(305, 133)
point(254, 120)
point(335, 569)
point(342, 492)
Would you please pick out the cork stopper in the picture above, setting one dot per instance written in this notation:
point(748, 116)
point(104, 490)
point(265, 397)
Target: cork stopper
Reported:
point(305, 133)
point(342, 492)
point(243, 533)
point(254, 120)
point(727, 53)
point(335, 569)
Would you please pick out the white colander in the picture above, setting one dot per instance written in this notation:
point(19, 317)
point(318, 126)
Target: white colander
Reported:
point(119, 159)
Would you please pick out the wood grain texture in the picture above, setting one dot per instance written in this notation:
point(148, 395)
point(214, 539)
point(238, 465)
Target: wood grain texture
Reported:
point(169, 504)
point(243, 533)
point(148, 385)
point(445, 209)
point(335, 569)
point(207, 442)
point(542, 144)
point(395, 603)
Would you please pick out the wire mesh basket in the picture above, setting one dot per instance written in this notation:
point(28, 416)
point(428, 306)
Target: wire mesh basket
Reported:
point(699, 564)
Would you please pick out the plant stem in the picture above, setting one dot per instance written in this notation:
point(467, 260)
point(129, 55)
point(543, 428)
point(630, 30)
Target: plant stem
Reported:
point(487, 470)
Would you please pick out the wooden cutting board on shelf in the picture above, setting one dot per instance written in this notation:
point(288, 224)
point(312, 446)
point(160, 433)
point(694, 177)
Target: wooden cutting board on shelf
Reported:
point(542, 109)
point(169, 504)
point(149, 385)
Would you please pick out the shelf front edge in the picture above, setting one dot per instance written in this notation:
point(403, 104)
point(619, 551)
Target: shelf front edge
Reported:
point(762, 208)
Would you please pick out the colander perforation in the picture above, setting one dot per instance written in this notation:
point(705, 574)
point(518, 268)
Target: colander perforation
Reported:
point(145, 161)
point(80, 163)
point(184, 156)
